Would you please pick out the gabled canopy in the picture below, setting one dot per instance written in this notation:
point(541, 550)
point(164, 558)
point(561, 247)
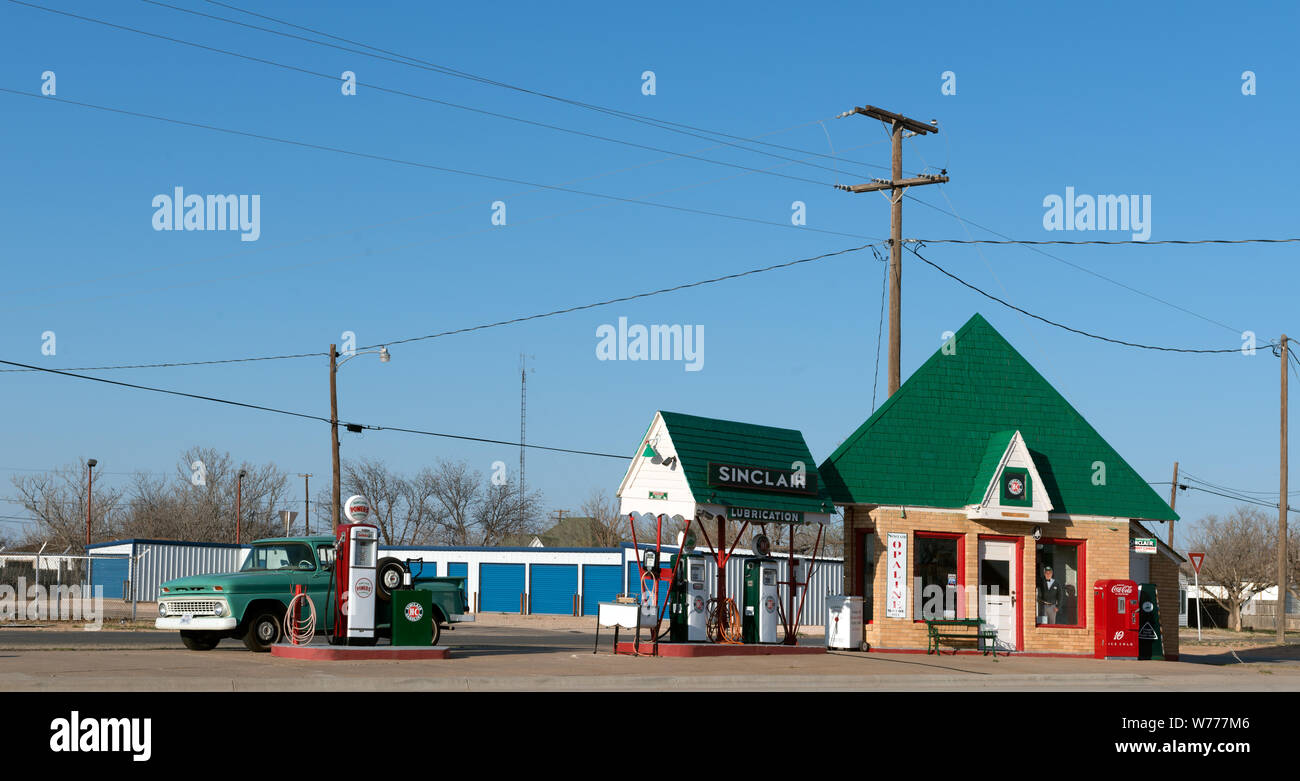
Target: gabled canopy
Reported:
point(927, 444)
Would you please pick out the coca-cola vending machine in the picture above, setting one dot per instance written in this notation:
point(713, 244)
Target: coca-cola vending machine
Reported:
point(1115, 605)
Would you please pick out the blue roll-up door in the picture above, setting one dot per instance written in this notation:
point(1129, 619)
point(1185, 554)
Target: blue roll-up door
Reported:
point(110, 573)
point(499, 587)
point(424, 569)
point(553, 588)
point(599, 584)
point(634, 585)
point(458, 568)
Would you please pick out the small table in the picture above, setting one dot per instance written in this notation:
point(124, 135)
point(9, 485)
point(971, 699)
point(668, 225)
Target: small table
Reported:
point(626, 615)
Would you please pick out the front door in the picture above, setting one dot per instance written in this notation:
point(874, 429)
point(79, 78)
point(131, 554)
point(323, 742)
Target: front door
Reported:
point(997, 590)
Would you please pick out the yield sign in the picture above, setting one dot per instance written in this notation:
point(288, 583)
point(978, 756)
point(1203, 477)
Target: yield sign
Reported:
point(1196, 558)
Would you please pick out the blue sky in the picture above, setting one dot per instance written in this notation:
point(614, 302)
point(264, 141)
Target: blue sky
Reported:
point(1108, 99)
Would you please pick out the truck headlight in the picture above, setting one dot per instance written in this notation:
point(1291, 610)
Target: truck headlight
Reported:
point(219, 610)
point(162, 609)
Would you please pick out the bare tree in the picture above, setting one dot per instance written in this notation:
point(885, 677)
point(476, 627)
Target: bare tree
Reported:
point(500, 512)
point(455, 488)
point(58, 502)
point(608, 526)
point(1240, 558)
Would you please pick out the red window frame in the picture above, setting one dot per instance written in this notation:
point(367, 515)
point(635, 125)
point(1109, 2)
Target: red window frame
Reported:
point(1082, 595)
point(961, 567)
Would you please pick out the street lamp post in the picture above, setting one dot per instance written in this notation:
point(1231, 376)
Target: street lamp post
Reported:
point(335, 363)
point(90, 482)
point(239, 502)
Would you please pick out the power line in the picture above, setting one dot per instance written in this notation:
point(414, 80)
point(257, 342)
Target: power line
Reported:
point(1077, 267)
point(262, 408)
point(1117, 242)
point(1088, 334)
point(415, 164)
point(379, 88)
point(481, 327)
point(661, 124)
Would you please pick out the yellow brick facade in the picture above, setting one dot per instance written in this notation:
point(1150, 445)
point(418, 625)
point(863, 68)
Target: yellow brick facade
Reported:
point(1104, 555)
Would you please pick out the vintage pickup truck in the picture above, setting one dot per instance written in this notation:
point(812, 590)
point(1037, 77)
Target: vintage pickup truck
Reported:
point(250, 604)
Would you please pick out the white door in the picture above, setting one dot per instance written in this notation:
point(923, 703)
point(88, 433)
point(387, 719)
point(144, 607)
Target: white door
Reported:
point(997, 590)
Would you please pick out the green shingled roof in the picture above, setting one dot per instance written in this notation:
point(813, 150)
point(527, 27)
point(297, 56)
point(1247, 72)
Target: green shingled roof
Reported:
point(701, 440)
point(930, 442)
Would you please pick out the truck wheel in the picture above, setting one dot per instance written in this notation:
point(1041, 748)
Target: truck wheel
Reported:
point(389, 574)
point(263, 632)
point(200, 641)
point(437, 631)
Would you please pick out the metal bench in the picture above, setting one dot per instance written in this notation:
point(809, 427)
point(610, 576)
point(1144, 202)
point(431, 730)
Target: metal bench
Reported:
point(951, 629)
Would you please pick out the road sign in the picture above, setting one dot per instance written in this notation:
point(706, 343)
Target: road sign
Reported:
point(1196, 558)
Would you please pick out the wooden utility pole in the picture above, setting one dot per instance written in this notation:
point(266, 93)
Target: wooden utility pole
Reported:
point(334, 436)
point(1280, 609)
point(896, 185)
point(1173, 498)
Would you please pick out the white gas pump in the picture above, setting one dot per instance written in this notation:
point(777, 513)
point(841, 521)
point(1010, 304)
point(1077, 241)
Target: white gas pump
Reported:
point(697, 598)
point(356, 556)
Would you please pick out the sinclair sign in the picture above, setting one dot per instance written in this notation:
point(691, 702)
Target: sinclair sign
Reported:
point(762, 478)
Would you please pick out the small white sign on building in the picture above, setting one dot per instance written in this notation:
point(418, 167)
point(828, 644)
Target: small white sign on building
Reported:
point(896, 553)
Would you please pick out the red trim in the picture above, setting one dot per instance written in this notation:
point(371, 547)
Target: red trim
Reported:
point(860, 550)
point(1081, 604)
point(961, 567)
point(1020, 572)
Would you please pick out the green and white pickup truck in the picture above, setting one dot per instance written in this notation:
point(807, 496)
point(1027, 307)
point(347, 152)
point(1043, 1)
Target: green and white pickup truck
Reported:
point(250, 604)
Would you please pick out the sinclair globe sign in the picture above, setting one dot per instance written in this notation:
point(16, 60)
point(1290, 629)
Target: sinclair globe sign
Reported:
point(763, 478)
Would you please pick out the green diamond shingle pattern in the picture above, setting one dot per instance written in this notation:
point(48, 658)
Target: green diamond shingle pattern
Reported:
point(701, 440)
point(929, 443)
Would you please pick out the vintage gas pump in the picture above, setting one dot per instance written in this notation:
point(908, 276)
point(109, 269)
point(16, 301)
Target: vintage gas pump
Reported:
point(759, 616)
point(688, 619)
point(1115, 605)
point(1150, 639)
point(356, 553)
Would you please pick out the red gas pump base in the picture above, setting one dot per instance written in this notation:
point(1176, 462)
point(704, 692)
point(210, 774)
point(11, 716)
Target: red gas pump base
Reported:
point(351, 653)
point(691, 650)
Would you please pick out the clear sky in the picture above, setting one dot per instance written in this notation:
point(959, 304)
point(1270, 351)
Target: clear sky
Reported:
point(1106, 98)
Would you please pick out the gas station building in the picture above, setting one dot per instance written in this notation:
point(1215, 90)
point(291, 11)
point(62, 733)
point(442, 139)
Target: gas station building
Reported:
point(977, 490)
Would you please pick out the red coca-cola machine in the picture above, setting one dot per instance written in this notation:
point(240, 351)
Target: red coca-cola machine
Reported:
point(1115, 606)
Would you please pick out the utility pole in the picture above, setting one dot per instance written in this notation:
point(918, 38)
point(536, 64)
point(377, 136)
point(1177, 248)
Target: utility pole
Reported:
point(559, 516)
point(1173, 497)
point(334, 435)
point(896, 185)
point(1280, 609)
point(306, 503)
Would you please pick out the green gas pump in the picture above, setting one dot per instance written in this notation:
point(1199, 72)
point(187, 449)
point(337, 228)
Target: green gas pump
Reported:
point(759, 618)
point(1150, 639)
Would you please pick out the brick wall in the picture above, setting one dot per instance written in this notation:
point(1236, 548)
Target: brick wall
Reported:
point(1105, 555)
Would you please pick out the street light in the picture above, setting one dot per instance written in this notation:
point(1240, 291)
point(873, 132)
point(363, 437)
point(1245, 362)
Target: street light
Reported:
point(239, 502)
point(335, 363)
point(90, 482)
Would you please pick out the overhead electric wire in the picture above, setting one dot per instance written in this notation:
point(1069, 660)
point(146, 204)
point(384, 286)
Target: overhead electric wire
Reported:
point(379, 88)
point(1088, 334)
point(415, 164)
point(480, 327)
point(1115, 242)
point(262, 408)
point(662, 124)
point(1077, 267)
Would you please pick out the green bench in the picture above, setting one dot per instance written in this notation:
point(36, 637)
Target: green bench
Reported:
point(951, 629)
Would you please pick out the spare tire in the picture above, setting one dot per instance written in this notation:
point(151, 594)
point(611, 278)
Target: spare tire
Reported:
point(389, 576)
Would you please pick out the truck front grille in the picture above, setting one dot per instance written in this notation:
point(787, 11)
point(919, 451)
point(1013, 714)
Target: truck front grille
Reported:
point(195, 607)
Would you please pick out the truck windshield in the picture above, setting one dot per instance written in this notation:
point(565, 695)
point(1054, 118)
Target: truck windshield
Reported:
point(286, 555)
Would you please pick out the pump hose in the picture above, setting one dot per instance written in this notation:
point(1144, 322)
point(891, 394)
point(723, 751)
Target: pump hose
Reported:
point(300, 632)
point(730, 634)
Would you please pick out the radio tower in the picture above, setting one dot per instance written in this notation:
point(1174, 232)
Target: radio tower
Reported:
point(523, 421)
